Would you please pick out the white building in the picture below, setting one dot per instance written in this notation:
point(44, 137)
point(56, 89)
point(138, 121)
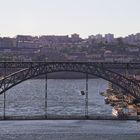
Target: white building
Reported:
point(91, 37)
point(131, 38)
point(99, 38)
point(75, 37)
point(137, 37)
point(109, 38)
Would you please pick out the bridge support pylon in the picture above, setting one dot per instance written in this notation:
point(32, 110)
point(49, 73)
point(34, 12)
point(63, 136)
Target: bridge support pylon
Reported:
point(4, 96)
point(46, 94)
point(86, 98)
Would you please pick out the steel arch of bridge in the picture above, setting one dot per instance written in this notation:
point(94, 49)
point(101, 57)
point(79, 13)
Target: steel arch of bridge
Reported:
point(97, 69)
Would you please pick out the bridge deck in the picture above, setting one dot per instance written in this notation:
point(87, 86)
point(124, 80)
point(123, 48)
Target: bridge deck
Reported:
point(108, 65)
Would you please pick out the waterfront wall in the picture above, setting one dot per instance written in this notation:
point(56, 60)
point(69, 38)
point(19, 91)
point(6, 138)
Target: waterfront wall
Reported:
point(67, 117)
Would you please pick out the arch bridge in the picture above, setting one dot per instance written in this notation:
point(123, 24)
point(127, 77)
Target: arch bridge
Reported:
point(103, 70)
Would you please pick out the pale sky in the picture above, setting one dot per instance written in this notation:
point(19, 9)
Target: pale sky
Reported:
point(64, 17)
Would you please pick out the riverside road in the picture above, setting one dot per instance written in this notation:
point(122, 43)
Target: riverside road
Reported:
point(69, 130)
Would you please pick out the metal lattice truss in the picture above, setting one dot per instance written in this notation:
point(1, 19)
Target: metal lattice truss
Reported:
point(36, 68)
point(107, 65)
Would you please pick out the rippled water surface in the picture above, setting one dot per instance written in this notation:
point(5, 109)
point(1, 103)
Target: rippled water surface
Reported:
point(28, 98)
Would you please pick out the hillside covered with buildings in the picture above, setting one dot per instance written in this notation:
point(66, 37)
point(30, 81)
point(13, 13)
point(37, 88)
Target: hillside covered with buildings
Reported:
point(71, 48)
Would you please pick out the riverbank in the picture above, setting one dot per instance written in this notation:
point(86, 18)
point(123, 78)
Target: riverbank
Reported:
point(66, 117)
point(69, 130)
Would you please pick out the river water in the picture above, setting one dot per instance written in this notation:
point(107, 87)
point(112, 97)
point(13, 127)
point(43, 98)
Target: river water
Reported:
point(28, 98)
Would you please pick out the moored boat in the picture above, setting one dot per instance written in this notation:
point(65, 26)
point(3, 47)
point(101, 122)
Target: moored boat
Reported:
point(82, 92)
point(118, 112)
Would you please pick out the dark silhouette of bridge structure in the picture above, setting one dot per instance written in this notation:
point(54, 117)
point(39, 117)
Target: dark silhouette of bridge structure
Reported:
point(104, 70)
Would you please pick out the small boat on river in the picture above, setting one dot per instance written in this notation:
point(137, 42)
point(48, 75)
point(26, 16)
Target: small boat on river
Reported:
point(82, 92)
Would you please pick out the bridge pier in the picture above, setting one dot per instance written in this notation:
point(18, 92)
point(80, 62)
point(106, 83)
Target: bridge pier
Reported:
point(4, 96)
point(86, 98)
point(138, 115)
point(127, 70)
point(46, 94)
